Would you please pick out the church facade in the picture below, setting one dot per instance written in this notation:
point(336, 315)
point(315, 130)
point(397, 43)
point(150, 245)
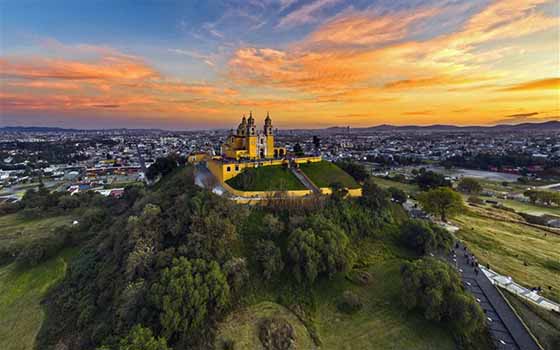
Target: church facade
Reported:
point(249, 147)
point(248, 143)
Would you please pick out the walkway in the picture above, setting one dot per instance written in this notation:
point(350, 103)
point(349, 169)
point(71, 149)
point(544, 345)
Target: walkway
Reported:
point(306, 181)
point(508, 284)
point(505, 327)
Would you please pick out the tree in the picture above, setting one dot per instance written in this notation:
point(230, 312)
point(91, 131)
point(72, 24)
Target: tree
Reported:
point(428, 179)
point(269, 258)
point(374, 196)
point(432, 286)
point(161, 167)
point(356, 170)
point(469, 185)
point(398, 195)
point(298, 150)
point(210, 236)
point(441, 201)
point(188, 294)
point(321, 248)
point(142, 338)
point(272, 226)
point(424, 237)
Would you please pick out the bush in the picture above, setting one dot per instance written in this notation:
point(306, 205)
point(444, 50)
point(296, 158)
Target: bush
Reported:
point(475, 200)
point(269, 258)
point(349, 302)
point(40, 250)
point(277, 334)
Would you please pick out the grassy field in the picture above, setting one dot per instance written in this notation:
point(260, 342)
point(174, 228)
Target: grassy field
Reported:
point(383, 322)
point(545, 325)
point(21, 291)
point(268, 178)
point(16, 231)
point(529, 255)
point(324, 174)
point(242, 327)
point(386, 183)
point(528, 208)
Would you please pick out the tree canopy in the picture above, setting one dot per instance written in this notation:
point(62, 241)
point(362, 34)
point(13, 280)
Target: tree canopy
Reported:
point(442, 201)
point(188, 294)
point(469, 185)
point(433, 287)
point(320, 248)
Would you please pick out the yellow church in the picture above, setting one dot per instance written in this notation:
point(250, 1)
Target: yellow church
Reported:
point(248, 147)
point(249, 144)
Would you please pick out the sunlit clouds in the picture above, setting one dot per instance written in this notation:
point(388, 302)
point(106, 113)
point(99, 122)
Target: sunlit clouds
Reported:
point(334, 63)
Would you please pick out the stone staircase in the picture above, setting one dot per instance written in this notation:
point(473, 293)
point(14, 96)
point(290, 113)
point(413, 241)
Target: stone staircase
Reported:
point(306, 181)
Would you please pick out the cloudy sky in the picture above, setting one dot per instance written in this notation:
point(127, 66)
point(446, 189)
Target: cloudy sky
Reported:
point(310, 63)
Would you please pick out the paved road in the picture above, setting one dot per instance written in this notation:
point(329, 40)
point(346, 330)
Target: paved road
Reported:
point(505, 327)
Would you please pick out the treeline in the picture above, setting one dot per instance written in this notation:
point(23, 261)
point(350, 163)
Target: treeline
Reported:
point(92, 211)
point(485, 161)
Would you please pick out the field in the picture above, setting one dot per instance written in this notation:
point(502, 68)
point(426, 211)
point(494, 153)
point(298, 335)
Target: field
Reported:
point(16, 232)
point(242, 327)
point(528, 208)
point(21, 291)
point(268, 178)
point(529, 255)
point(324, 174)
point(386, 183)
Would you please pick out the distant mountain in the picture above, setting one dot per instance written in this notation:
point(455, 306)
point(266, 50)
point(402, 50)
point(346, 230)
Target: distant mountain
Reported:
point(35, 129)
point(549, 125)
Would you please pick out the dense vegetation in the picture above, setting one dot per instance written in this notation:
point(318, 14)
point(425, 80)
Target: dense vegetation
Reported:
point(164, 267)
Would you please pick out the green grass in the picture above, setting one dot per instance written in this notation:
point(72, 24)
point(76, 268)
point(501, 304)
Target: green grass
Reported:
point(525, 253)
point(544, 324)
point(16, 232)
point(325, 174)
point(242, 326)
point(266, 178)
point(386, 183)
point(522, 207)
point(382, 323)
point(21, 291)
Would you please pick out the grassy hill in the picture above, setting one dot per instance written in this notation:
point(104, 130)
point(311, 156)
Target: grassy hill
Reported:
point(21, 292)
point(267, 178)
point(16, 231)
point(324, 174)
point(528, 254)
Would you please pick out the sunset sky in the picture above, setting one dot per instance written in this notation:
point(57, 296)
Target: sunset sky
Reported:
point(310, 63)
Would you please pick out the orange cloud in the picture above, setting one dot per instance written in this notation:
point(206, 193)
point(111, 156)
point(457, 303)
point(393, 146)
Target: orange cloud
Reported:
point(541, 84)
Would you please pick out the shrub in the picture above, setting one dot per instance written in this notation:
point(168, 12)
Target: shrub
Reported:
point(349, 302)
point(475, 200)
point(277, 334)
point(269, 258)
